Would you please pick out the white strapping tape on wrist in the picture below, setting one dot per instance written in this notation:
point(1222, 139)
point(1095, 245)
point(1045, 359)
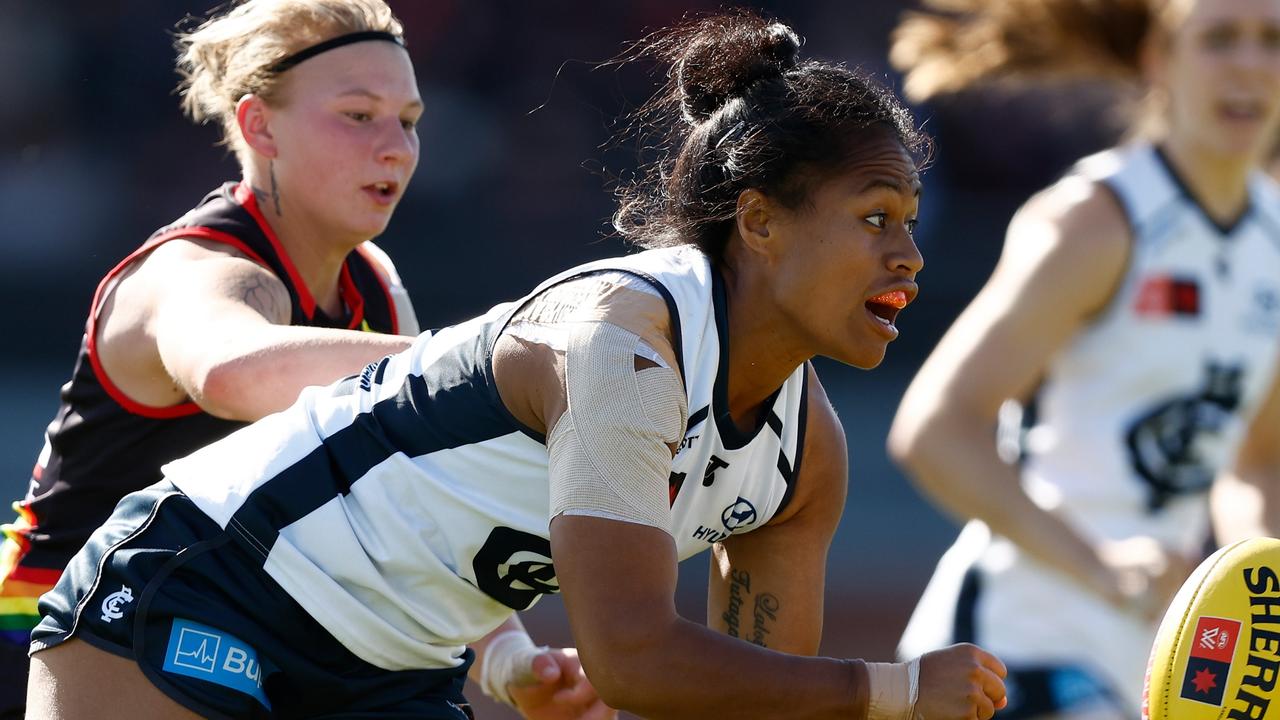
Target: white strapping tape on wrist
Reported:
point(893, 690)
point(508, 659)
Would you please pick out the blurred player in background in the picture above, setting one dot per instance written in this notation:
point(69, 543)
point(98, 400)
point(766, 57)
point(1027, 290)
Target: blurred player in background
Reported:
point(1137, 302)
point(626, 414)
point(267, 286)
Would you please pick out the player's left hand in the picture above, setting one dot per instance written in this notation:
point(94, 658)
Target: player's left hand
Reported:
point(1153, 572)
point(558, 689)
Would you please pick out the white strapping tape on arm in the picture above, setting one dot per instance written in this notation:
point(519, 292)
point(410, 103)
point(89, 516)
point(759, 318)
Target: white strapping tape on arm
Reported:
point(609, 453)
point(508, 660)
point(893, 690)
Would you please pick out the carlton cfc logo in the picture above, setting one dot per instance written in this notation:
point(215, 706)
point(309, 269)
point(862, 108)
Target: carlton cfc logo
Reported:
point(113, 606)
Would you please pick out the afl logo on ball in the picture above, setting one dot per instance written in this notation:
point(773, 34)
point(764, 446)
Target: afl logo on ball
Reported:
point(739, 514)
point(1209, 664)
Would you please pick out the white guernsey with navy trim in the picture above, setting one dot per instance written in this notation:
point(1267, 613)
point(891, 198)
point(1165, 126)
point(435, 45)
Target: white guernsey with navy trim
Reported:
point(1135, 417)
point(407, 510)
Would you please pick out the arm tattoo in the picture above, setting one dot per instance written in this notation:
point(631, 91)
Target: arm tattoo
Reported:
point(739, 586)
point(259, 293)
point(764, 612)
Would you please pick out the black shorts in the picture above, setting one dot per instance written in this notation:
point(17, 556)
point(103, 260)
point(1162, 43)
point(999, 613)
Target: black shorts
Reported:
point(163, 584)
point(13, 681)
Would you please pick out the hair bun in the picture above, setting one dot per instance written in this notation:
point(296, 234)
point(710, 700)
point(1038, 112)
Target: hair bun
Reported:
point(721, 57)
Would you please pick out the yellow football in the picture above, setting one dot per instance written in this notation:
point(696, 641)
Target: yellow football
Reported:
point(1217, 654)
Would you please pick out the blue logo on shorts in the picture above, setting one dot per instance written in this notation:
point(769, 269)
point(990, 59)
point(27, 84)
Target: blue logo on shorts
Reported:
point(206, 653)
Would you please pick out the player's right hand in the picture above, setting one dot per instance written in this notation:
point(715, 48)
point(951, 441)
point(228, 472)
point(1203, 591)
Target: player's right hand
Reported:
point(961, 682)
point(556, 688)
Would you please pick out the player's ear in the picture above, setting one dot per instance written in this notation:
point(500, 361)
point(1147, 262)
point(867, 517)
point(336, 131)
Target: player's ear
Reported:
point(756, 214)
point(1153, 60)
point(253, 117)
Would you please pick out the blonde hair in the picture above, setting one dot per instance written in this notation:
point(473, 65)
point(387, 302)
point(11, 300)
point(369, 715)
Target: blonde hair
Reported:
point(230, 55)
point(953, 45)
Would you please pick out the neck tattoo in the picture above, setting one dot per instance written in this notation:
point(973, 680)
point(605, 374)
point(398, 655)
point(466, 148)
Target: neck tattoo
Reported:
point(275, 189)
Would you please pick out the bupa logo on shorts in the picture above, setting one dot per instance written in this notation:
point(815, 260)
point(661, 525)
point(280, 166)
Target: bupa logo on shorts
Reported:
point(1212, 646)
point(209, 654)
point(739, 514)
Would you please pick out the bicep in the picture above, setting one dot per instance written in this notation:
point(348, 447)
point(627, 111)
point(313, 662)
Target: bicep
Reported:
point(205, 306)
point(767, 586)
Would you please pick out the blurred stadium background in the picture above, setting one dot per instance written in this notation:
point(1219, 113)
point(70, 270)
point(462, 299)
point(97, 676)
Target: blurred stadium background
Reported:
point(94, 155)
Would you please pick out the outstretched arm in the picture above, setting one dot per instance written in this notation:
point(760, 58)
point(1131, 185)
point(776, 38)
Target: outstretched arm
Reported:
point(767, 588)
point(618, 581)
point(221, 329)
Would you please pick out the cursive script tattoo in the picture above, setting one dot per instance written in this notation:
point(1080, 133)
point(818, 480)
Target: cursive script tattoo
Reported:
point(766, 611)
point(739, 588)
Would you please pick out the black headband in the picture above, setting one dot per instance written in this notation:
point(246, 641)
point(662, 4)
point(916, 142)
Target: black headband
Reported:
point(332, 43)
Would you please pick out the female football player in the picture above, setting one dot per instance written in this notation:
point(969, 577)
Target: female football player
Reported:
point(1137, 302)
point(337, 557)
point(268, 285)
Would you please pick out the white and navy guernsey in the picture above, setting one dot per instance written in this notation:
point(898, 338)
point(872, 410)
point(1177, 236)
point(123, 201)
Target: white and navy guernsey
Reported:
point(1135, 417)
point(407, 510)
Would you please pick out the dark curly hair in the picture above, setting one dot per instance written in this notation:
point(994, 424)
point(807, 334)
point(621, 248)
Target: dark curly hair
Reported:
point(742, 111)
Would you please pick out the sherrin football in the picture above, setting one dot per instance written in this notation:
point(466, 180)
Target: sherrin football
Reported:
point(1217, 654)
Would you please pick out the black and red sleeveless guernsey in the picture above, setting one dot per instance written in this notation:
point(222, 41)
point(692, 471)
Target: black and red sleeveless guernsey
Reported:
point(102, 445)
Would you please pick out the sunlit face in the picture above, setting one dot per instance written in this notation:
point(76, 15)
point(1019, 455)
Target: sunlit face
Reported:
point(850, 261)
point(345, 129)
point(1222, 73)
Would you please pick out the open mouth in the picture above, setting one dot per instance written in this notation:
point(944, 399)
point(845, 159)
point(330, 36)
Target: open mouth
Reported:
point(886, 306)
point(385, 190)
point(1241, 110)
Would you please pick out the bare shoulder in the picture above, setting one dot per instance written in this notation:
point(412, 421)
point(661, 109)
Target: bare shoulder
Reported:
point(823, 477)
point(1075, 215)
point(529, 357)
point(192, 249)
point(1070, 243)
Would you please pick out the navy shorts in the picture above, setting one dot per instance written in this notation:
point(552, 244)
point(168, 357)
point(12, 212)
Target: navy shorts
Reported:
point(1051, 689)
point(161, 583)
